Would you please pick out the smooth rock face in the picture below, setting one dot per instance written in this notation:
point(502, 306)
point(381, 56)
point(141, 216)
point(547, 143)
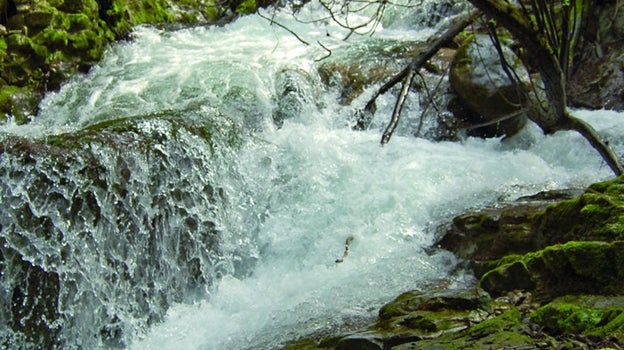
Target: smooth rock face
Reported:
point(477, 77)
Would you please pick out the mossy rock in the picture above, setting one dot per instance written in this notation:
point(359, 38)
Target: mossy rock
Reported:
point(491, 233)
point(583, 314)
point(570, 268)
point(18, 103)
point(598, 214)
point(415, 315)
point(486, 235)
point(480, 82)
point(506, 331)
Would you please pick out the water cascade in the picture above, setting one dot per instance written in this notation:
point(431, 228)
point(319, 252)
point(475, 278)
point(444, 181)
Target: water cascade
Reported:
point(195, 189)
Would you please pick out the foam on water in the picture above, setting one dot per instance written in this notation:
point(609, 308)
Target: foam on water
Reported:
point(325, 184)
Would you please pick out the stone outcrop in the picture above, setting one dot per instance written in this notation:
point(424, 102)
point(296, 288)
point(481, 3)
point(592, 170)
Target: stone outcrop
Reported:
point(561, 269)
point(479, 80)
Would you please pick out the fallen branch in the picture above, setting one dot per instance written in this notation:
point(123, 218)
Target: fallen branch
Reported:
point(346, 249)
point(407, 75)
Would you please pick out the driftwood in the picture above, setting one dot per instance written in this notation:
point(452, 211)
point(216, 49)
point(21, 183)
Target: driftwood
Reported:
point(549, 46)
point(350, 239)
point(406, 77)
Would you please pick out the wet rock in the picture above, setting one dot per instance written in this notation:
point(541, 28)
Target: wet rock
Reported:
point(570, 268)
point(415, 316)
point(79, 232)
point(295, 92)
point(505, 331)
point(477, 76)
point(597, 214)
point(491, 233)
point(361, 341)
point(362, 66)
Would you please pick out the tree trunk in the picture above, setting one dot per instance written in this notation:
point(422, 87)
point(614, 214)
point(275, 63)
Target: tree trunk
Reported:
point(551, 115)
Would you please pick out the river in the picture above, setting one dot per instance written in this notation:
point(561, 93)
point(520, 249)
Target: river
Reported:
point(282, 200)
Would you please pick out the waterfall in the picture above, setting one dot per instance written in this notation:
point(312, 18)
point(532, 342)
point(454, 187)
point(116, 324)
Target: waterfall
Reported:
point(196, 187)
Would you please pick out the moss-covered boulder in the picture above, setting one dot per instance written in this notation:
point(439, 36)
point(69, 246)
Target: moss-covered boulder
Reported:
point(598, 316)
point(414, 316)
point(570, 268)
point(597, 214)
point(479, 80)
point(488, 234)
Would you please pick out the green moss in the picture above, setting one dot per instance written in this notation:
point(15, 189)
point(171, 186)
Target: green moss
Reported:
point(54, 37)
point(6, 101)
point(588, 315)
point(398, 306)
point(598, 214)
point(304, 344)
point(246, 7)
point(3, 47)
point(573, 267)
point(505, 331)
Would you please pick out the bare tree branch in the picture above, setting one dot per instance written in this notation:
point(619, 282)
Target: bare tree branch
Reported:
point(363, 118)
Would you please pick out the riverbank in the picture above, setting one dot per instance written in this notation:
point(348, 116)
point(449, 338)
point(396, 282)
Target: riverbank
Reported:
point(549, 275)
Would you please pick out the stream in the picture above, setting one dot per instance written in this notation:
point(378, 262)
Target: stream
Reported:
point(174, 240)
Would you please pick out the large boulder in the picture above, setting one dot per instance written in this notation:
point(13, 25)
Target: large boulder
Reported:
point(482, 85)
point(488, 234)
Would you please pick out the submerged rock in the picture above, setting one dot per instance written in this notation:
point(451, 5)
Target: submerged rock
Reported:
point(102, 229)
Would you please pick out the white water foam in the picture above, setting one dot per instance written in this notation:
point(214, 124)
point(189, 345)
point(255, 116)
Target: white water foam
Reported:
point(325, 184)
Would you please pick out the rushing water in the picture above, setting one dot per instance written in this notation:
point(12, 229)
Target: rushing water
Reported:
point(231, 243)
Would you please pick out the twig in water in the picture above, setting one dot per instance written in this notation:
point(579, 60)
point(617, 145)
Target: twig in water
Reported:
point(346, 250)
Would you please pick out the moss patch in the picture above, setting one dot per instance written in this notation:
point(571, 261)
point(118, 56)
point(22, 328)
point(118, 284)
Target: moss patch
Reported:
point(598, 214)
point(589, 315)
point(570, 268)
